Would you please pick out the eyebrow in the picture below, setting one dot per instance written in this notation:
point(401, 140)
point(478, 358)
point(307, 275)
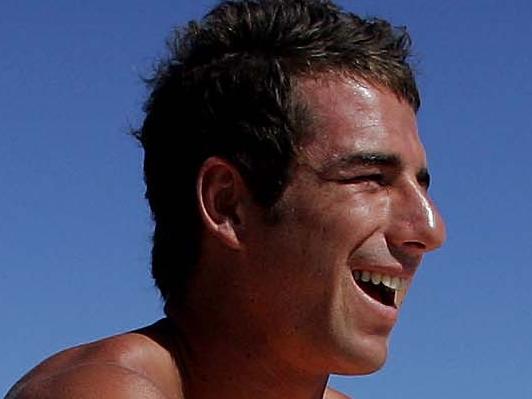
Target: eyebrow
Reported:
point(372, 159)
point(362, 159)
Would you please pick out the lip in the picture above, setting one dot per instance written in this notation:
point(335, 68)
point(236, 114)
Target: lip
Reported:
point(388, 314)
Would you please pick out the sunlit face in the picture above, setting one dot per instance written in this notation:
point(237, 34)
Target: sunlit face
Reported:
point(356, 206)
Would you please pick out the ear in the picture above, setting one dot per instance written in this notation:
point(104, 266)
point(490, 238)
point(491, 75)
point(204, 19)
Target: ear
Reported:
point(221, 191)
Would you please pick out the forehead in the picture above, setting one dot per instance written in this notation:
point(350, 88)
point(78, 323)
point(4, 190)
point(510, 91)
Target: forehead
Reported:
point(347, 116)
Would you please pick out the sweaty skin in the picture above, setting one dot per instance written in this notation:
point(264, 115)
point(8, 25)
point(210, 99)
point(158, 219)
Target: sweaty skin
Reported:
point(273, 308)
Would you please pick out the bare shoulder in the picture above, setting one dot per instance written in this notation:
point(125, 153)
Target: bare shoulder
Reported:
point(89, 381)
point(131, 365)
point(334, 394)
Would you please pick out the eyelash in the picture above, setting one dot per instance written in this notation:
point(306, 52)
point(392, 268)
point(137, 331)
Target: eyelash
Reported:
point(381, 179)
point(378, 178)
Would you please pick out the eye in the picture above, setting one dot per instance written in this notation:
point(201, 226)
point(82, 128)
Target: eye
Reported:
point(369, 179)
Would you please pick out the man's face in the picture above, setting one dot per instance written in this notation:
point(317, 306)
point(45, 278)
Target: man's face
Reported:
point(356, 207)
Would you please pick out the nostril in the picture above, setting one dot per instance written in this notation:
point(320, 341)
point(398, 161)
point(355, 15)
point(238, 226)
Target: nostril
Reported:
point(415, 245)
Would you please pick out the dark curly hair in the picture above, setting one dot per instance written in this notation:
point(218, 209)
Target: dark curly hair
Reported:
point(227, 89)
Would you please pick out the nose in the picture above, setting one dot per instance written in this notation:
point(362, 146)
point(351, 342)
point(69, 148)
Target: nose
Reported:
point(416, 226)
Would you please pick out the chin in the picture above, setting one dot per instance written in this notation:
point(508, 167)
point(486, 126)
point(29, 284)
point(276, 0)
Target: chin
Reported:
point(361, 369)
point(363, 361)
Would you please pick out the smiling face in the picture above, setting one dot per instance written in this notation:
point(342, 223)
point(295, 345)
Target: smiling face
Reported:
point(356, 208)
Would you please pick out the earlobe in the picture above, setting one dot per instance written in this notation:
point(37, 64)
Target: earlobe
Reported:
point(219, 190)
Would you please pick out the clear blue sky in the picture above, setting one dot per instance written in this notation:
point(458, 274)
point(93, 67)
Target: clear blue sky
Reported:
point(75, 230)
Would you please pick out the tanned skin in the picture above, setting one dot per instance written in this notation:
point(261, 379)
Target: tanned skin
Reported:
point(139, 364)
point(273, 308)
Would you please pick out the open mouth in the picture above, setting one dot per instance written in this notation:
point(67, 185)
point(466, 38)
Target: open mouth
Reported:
point(381, 287)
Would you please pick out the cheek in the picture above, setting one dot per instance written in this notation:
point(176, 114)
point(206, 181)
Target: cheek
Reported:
point(316, 231)
point(318, 239)
point(372, 210)
point(351, 218)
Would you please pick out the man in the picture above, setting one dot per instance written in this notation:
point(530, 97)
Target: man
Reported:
point(288, 187)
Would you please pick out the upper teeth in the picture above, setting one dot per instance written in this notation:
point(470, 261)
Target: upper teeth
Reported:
point(393, 282)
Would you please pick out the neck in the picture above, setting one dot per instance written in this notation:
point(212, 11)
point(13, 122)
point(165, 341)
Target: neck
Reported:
point(220, 359)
